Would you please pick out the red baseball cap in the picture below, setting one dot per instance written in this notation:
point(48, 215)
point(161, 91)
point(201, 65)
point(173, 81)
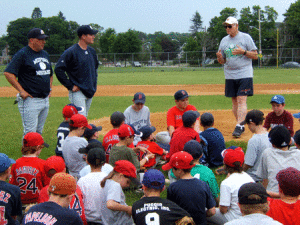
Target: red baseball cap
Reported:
point(179, 160)
point(79, 120)
point(33, 139)
point(69, 111)
point(233, 154)
point(55, 162)
point(126, 168)
point(125, 130)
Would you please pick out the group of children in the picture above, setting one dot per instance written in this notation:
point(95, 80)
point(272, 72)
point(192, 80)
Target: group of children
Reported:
point(98, 172)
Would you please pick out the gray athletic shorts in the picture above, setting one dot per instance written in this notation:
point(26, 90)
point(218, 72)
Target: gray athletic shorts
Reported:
point(240, 87)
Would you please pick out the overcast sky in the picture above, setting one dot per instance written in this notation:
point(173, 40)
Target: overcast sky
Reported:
point(146, 16)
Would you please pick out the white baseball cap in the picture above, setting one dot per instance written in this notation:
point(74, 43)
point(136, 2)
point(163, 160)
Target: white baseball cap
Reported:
point(231, 20)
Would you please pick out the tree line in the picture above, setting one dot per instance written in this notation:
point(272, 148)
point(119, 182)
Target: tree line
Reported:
point(63, 33)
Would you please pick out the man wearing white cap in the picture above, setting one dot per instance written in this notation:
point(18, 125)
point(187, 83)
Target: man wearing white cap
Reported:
point(236, 52)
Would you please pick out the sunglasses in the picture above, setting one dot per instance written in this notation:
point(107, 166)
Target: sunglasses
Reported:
point(229, 26)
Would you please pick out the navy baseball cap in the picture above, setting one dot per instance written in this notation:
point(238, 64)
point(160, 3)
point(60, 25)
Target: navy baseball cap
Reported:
point(96, 156)
point(297, 137)
point(255, 116)
point(136, 132)
point(146, 131)
point(5, 162)
point(194, 148)
point(280, 136)
point(279, 99)
point(88, 133)
point(189, 117)
point(37, 33)
point(139, 97)
point(181, 94)
point(154, 178)
point(86, 29)
point(248, 189)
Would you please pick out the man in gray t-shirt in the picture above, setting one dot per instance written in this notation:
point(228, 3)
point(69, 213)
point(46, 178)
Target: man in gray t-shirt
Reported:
point(236, 52)
point(138, 115)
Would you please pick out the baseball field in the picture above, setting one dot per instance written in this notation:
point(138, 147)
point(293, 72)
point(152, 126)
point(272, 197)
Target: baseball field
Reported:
point(116, 90)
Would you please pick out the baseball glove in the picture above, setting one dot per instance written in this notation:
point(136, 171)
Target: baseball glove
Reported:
point(185, 221)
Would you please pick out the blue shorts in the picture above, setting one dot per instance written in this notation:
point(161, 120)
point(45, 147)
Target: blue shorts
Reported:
point(239, 87)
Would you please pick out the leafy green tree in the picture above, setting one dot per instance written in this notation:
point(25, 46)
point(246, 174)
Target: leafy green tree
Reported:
point(61, 15)
point(292, 24)
point(36, 13)
point(196, 23)
point(107, 39)
point(17, 31)
point(165, 44)
point(3, 41)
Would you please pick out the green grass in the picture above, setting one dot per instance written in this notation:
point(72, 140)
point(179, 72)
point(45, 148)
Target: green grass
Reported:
point(165, 77)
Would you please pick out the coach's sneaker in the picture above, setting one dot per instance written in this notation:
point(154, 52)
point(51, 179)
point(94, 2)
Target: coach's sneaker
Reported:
point(238, 131)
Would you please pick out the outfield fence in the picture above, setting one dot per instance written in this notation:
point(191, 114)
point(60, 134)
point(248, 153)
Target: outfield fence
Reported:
point(196, 60)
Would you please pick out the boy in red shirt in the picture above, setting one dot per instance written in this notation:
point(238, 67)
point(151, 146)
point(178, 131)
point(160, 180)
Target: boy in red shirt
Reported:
point(185, 133)
point(148, 143)
point(28, 172)
point(54, 165)
point(279, 116)
point(174, 116)
point(112, 137)
point(286, 209)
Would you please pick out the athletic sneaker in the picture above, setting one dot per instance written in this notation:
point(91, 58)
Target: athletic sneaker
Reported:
point(238, 131)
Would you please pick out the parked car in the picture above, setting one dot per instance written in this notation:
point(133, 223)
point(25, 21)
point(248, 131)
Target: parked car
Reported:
point(137, 64)
point(290, 65)
point(118, 64)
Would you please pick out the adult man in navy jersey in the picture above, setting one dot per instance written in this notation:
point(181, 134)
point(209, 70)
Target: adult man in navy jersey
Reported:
point(77, 68)
point(30, 72)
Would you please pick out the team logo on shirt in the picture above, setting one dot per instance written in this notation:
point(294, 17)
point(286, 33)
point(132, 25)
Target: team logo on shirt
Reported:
point(42, 65)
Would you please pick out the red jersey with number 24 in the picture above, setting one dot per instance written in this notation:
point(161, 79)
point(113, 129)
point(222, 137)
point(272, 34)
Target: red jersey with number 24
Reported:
point(28, 173)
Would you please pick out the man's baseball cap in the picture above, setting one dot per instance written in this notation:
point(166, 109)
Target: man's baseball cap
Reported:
point(248, 189)
point(297, 115)
point(88, 133)
point(190, 117)
point(62, 184)
point(34, 139)
point(5, 162)
point(289, 181)
point(280, 136)
point(297, 137)
point(181, 94)
point(233, 154)
point(207, 118)
point(154, 179)
point(56, 163)
point(86, 29)
point(146, 131)
point(179, 160)
point(255, 116)
point(96, 156)
point(279, 99)
point(70, 110)
point(37, 33)
point(231, 20)
point(139, 97)
point(79, 120)
point(89, 147)
point(194, 148)
point(117, 118)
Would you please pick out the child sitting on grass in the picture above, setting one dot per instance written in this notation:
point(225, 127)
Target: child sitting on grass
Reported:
point(113, 207)
point(148, 143)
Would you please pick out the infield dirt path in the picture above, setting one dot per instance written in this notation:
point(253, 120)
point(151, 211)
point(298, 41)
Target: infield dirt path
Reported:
point(224, 119)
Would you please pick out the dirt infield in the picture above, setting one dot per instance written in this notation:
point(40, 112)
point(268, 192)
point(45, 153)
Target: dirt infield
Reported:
point(197, 89)
point(224, 119)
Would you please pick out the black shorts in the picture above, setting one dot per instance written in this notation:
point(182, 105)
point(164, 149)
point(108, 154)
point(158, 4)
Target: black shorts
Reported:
point(240, 87)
